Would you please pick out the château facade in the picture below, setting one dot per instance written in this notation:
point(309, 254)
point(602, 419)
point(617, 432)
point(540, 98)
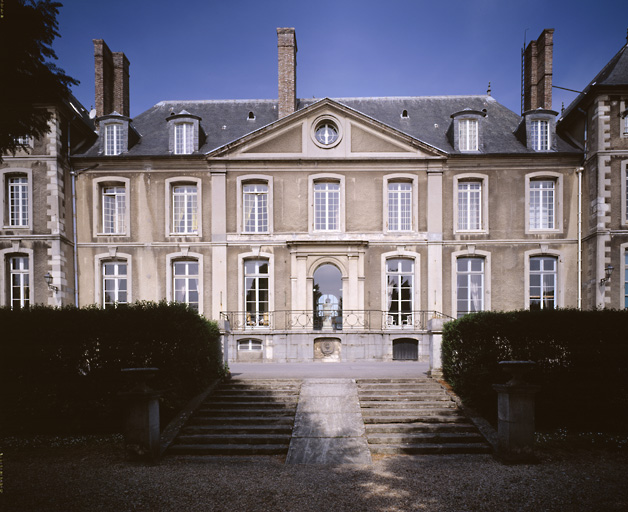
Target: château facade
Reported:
point(334, 229)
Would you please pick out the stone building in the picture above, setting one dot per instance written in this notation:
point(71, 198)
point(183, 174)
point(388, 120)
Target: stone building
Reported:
point(345, 228)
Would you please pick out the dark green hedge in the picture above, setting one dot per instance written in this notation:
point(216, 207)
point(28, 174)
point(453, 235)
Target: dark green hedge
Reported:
point(581, 356)
point(60, 369)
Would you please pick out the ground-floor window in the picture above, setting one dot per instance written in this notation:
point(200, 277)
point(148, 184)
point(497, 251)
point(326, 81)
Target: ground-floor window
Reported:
point(114, 283)
point(405, 349)
point(185, 282)
point(256, 289)
point(399, 291)
point(543, 282)
point(249, 345)
point(19, 283)
point(469, 285)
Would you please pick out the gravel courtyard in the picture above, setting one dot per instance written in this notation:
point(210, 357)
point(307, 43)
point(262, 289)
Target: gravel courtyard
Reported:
point(95, 477)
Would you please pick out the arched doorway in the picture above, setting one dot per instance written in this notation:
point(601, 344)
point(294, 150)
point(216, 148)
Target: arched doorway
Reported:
point(327, 297)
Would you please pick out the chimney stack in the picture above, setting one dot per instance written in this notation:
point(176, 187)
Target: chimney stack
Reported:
point(287, 49)
point(537, 81)
point(111, 80)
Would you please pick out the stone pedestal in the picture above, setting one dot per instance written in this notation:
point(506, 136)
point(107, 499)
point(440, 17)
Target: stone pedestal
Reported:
point(141, 425)
point(435, 331)
point(515, 414)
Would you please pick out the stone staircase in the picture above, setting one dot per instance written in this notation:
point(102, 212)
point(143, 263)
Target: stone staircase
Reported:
point(242, 417)
point(415, 416)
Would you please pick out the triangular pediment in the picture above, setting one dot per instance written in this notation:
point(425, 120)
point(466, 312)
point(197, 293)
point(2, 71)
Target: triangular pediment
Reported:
point(348, 134)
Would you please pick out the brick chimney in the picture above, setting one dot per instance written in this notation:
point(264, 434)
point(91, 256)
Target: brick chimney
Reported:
point(537, 78)
point(287, 49)
point(111, 80)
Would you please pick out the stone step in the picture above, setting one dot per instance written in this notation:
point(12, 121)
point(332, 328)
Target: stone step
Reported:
point(189, 439)
point(254, 393)
point(228, 449)
point(230, 428)
point(262, 384)
point(430, 448)
point(391, 412)
point(425, 437)
point(273, 408)
point(250, 401)
point(375, 429)
point(406, 404)
point(419, 380)
point(241, 420)
point(414, 418)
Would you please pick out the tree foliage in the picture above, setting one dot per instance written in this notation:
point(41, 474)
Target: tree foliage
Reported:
point(30, 79)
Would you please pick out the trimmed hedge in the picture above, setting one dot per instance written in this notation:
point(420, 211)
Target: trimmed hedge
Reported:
point(581, 356)
point(60, 369)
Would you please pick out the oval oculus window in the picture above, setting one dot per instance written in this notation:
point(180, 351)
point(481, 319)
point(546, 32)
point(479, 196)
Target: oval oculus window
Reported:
point(326, 133)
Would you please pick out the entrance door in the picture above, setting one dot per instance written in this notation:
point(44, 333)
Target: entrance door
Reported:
point(327, 297)
point(405, 349)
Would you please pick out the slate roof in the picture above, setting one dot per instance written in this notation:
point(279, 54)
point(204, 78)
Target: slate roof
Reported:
point(429, 119)
point(614, 74)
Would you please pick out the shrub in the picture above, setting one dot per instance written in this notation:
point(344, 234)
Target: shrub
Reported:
point(581, 356)
point(60, 369)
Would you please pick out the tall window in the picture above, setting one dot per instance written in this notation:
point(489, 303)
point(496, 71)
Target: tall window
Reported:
point(470, 285)
point(625, 123)
point(183, 138)
point(469, 205)
point(113, 139)
point(626, 279)
point(255, 202)
point(543, 282)
point(185, 282)
point(17, 201)
point(114, 283)
point(399, 206)
point(326, 206)
point(540, 135)
point(113, 209)
point(468, 134)
point(184, 209)
point(19, 285)
point(256, 290)
point(542, 204)
point(400, 291)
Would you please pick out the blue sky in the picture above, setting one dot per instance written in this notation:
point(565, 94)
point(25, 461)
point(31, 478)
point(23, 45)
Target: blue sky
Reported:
point(195, 49)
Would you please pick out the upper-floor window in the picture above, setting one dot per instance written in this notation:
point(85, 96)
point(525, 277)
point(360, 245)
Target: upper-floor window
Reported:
point(468, 134)
point(469, 205)
point(17, 201)
point(540, 134)
point(399, 206)
point(113, 209)
point(469, 285)
point(113, 139)
point(183, 138)
point(327, 206)
point(24, 140)
point(184, 209)
point(542, 204)
point(185, 282)
point(543, 282)
point(18, 281)
point(255, 208)
point(114, 283)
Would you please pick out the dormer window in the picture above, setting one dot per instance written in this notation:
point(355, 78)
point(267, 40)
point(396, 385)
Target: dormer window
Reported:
point(113, 139)
point(183, 138)
point(184, 133)
point(540, 129)
point(468, 134)
point(251, 116)
point(466, 130)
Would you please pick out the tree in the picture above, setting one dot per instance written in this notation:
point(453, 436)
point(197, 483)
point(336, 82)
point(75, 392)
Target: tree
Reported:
point(30, 80)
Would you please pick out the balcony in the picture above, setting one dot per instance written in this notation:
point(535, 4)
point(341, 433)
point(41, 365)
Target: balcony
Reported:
point(345, 320)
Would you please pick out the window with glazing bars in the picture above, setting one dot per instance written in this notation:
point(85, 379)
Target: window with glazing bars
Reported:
point(17, 195)
point(113, 209)
point(468, 134)
point(400, 291)
point(543, 282)
point(469, 285)
point(183, 138)
point(255, 203)
point(114, 283)
point(113, 139)
point(19, 285)
point(256, 290)
point(399, 206)
point(469, 205)
point(326, 206)
point(185, 282)
point(540, 135)
point(184, 209)
point(542, 204)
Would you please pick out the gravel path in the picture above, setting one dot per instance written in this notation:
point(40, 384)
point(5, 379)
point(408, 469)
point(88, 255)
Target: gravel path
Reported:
point(96, 477)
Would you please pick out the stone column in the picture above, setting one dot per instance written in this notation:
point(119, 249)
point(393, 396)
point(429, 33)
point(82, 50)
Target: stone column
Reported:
point(515, 414)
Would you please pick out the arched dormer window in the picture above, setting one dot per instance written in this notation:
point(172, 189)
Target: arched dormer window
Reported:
point(466, 130)
point(540, 129)
point(184, 130)
point(114, 134)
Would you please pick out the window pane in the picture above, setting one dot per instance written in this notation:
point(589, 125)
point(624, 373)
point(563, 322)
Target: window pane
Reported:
point(399, 206)
point(469, 205)
point(470, 285)
point(400, 291)
point(326, 206)
point(17, 192)
point(184, 210)
point(255, 204)
point(543, 282)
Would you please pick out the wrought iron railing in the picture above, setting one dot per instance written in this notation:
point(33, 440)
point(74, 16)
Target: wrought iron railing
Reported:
point(332, 321)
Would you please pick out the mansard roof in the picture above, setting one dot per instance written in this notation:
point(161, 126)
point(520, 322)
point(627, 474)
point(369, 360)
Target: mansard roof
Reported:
point(426, 119)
